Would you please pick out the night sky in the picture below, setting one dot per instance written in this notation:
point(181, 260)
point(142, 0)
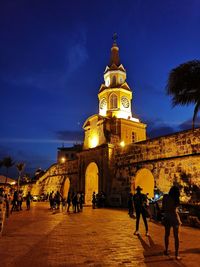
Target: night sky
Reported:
point(53, 55)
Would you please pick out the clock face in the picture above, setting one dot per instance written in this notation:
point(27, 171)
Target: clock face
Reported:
point(125, 102)
point(103, 103)
point(107, 82)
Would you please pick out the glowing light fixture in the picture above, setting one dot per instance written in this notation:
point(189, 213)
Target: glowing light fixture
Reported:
point(94, 141)
point(63, 159)
point(122, 144)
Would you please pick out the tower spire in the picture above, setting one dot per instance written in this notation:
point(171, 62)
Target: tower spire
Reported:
point(115, 38)
point(114, 59)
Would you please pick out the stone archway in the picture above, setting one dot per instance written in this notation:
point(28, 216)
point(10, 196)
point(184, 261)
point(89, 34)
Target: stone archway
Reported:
point(66, 187)
point(91, 182)
point(144, 178)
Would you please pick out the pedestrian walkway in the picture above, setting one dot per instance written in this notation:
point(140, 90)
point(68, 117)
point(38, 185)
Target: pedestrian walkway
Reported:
point(95, 237)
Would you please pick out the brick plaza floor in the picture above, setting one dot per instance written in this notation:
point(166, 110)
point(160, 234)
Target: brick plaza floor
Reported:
point(99, 237)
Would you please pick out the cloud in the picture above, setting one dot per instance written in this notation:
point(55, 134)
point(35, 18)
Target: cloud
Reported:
point(70, 136)
point(160, 131)
point(76, 56)
point(157, 127)
point(32, 140)
point(53, 74)
point(188, 124)
point(32, 159)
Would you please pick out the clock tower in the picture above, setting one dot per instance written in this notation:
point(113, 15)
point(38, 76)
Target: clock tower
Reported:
point(115, 95)
point(115, 123)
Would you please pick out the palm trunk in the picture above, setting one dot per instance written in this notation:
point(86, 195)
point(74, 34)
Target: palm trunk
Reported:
point(18, 182)
point(197, 106)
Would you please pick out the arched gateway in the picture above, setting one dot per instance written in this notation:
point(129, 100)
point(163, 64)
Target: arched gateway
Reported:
point(66, 188)
point(144, 178)
point(91, 182)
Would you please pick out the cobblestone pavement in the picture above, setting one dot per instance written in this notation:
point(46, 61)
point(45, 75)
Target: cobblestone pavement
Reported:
point(99, 237)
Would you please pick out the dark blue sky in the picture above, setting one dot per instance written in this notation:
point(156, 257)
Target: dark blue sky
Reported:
point(53, 55)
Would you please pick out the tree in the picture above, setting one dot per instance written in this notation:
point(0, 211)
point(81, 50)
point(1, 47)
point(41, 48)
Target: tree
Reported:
point(8, 163)
point(20, 167)
point(184, 85)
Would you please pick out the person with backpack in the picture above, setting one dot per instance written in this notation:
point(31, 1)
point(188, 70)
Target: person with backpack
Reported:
point(139, 200)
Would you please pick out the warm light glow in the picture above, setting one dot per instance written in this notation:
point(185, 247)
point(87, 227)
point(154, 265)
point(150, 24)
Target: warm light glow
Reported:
point(63, 159)
point(103, 111)
point(122, 144)
point(94, 141)
point(125, 115)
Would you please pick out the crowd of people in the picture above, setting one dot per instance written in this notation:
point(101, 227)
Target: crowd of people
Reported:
point(74, 200)
point(138, 205)
point(98, 200)
point(11, 202)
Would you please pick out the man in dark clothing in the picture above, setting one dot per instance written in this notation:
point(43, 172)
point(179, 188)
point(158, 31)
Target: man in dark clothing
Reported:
point(140, 208)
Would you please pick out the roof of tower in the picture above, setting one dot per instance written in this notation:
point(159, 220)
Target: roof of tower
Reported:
point(114, 58)
point(124, 86)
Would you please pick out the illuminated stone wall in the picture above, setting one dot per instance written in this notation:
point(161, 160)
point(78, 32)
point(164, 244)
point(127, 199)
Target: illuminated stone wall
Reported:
point(94, 132)
point(167, 157)
point(127, 128)
point(54, 178)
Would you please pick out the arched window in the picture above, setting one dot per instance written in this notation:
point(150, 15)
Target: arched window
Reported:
point(113, 101)
point(114, 80)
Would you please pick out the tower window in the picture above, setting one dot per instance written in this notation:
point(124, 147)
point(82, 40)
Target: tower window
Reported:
point(113, 101)
point(114, 80)
point(133, 137)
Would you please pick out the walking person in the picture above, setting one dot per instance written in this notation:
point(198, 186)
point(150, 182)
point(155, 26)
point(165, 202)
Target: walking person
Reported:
point(68, 201)
point(2, 211)
point(28, 201)
point(51, 200)
point(19, 200)
point(57, 200)
point(74, 201)
point(93, 200)
point(7, 204)
point(78, 201)
point(140, 209)
point(171, 218)
point(14, 202)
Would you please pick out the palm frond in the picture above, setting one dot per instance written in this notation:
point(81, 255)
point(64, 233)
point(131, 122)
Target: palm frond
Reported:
point(184, 85)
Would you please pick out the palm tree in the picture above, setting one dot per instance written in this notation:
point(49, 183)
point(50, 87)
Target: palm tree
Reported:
point(20, 167)
point(8, 163)
point(184, 85)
